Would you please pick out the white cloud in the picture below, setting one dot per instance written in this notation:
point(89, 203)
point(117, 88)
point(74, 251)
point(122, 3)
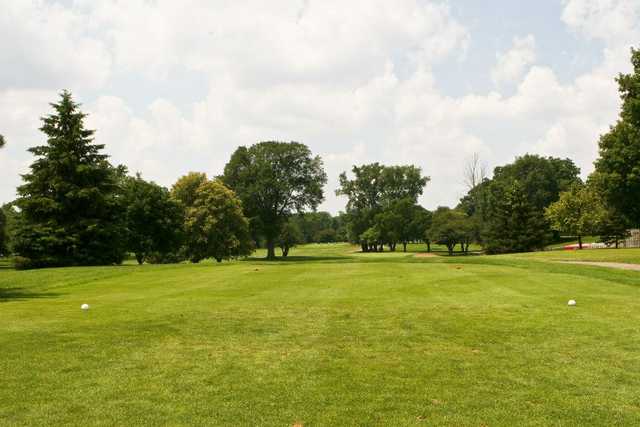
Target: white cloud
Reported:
point(511, 65)
point(45, 45)
point(352, 80)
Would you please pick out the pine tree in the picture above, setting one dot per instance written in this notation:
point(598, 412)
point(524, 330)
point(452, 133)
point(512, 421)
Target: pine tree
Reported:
point(70, 204)
point(514, 224)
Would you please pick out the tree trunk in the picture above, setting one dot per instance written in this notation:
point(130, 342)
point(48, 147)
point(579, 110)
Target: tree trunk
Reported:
point(404, 246)
point(140, 258)
point(218, 259)
point(364, 247)
point(285, 251)
point(580, 242)
point(617, 242)
point(271, 248)
point(428, 245)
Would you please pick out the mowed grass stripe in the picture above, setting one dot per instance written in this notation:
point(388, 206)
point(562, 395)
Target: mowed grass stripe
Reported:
point(466, 341)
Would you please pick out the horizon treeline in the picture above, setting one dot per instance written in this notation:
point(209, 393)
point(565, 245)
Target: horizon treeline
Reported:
point(76, 208)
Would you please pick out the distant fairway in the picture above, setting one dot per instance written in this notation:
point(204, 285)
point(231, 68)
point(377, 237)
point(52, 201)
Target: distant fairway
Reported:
point(328, 337)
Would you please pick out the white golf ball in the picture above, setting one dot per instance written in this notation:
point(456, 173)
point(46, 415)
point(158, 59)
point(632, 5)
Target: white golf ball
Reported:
point(571, 302)
point(85, 306)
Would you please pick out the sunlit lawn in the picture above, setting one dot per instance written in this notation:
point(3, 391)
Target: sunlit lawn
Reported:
point(330, 337)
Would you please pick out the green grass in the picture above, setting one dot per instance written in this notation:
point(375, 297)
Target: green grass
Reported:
point(631, 256)
point(329, 337)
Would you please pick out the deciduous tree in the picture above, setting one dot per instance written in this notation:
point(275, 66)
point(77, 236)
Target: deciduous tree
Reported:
point(153, 219)
point(215, 224)
point(618, 167)
point(578, 212)
point(290, 235)
point(273, 180)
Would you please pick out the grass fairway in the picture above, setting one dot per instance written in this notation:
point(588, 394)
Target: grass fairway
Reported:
point(327, 338)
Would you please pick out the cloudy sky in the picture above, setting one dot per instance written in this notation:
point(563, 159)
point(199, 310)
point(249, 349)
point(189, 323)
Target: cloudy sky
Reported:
point(176, 86)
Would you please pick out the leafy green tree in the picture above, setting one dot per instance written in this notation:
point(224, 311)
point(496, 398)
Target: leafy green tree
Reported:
point(578, 212)
point(388, 223)
point(4, 240)
point(515, 224)
point(327, 235)
point(402, 221)
point(373, 189)
point(154, 220)
point(420, 224)
point(185, 188)
point(311, 223)
point(542, 179)
point(522, 189)
point(618, 166)
point(274, 180)
point(70, 201)
point(10, 217)
point(290, 235)
point(215, 224)
point(449, 227)
point(371, 239)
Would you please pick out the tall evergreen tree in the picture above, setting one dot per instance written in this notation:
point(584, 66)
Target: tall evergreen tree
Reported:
point(69, 201)
point(516, 225)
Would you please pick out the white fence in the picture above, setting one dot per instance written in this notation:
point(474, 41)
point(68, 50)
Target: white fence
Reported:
point(633, 241)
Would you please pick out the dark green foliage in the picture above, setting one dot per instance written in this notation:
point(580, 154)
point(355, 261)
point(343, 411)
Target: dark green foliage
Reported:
point(10, 218)
point(613, 228)
point(618, 167)
point(69, 202)
point(2, 141)
point(274, 180)
point(515, 224)
point(215, 225)
point(153, 219)
point(450, 227)
point(289, 236)
point(328, 235)
point(4, 240)
point(311, 224)
point(542, 178)
point(380, 203)
point(501, 209)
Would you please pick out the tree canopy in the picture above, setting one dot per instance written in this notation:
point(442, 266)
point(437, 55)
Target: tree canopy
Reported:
point(578, 212)
point(273, 180)
point(215, 224)
point(618, 166)
point(380, 203)
point(154, 220)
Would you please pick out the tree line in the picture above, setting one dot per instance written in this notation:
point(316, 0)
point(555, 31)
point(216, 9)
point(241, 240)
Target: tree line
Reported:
point(75, 208)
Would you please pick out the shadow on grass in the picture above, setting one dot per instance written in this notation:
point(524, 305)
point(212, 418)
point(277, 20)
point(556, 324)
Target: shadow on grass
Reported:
point(20, 294)
point(299, 258)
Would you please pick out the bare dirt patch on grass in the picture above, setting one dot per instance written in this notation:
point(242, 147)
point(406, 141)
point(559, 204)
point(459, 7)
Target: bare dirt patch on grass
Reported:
point(618, 265)
point(425, 255)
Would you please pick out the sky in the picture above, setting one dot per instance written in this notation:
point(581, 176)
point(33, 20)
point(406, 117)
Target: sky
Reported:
point(176, 86)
